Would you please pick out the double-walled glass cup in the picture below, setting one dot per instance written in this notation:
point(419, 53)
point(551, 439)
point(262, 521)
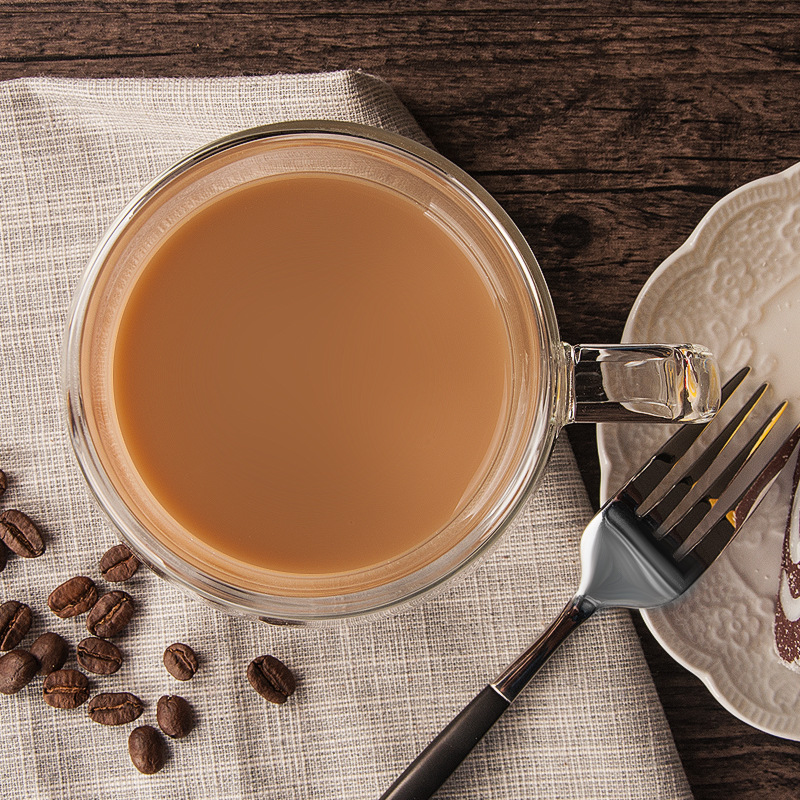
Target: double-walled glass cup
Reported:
point(551, 383)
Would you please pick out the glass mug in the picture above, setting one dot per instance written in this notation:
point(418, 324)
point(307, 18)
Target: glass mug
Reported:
point(551, 383)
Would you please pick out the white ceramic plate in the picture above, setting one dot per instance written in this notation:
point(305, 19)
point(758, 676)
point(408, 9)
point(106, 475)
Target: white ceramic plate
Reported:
point(733, 286)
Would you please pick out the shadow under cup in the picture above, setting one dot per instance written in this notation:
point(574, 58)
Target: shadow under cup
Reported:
point(460, 207)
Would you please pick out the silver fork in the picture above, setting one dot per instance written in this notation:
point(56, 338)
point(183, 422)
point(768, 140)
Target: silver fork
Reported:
point(630, 558)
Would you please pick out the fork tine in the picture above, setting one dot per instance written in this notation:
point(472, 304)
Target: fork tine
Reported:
point(650, 476)
point(718, 537)
point(688, 523)
point(659, 513)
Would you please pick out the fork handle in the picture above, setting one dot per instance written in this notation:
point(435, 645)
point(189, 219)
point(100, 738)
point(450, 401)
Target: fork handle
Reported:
point(434, 765)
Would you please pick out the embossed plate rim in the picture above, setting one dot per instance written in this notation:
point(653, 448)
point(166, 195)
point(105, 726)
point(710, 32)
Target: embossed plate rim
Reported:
point(745, 197)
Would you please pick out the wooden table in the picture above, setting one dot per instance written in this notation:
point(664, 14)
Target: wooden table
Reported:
point(605, 129)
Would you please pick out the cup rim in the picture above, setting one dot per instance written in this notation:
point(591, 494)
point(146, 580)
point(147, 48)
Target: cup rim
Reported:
point(208, 587)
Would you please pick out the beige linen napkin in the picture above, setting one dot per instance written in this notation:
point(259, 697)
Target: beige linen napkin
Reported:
point(72, 152)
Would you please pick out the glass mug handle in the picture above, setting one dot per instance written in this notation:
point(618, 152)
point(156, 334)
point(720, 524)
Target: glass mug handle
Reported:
point(655, 382)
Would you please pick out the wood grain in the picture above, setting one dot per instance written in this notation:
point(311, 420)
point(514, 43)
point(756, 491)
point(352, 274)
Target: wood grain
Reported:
point(606, 130)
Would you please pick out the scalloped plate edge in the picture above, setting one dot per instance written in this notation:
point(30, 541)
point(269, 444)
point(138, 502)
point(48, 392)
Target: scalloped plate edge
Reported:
point(737, 199)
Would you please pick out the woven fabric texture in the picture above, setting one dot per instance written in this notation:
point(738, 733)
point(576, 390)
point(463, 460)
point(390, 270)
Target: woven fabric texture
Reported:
point(370, 696)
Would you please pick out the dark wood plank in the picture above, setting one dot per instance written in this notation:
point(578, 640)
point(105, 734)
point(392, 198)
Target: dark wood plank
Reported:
point(606, 130)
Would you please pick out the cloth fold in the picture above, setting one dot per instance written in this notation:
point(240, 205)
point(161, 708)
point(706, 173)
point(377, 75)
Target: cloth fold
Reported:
point(370, 695)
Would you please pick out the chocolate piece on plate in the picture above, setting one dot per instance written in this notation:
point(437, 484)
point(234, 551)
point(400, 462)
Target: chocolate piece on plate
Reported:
point(787, 604)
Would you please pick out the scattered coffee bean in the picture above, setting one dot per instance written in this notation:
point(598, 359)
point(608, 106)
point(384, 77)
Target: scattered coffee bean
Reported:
point(17, 668)
point(118, 564)
point(3, 556)
point(50, 650)
point(111, 613)
point(147, 750)
point(19, 534)
point(99, 656)
point(3, 483)
point(271, 678)
point(115, 708)
point(180, 661)
point(65, 688)
point(175, 716)
point(73, 597)
point(15, 622)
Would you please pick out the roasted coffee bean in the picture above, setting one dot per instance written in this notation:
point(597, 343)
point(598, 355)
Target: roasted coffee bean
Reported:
point(175, 716)
point(118, 564)
point(3, 483)
point(73, 597)
point(19, 534)
point(50, 650)
point(17, 668)
point(115, 708)
point(15, 622)
point(147, 749)
point(65, 688)
point(99, 656)
point(271, 678)
point(180, 661)
point(111, 613)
